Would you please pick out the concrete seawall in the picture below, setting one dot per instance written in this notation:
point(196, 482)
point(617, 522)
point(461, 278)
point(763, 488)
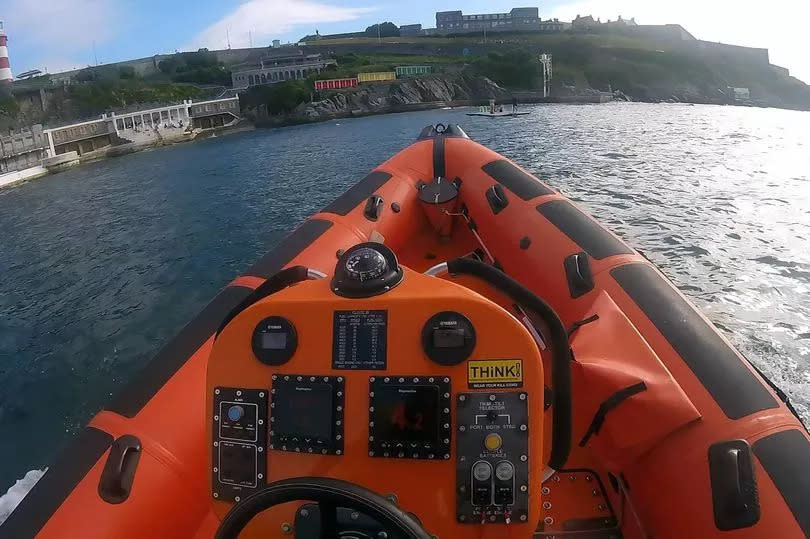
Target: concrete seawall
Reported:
point(19, 176)
point(35, 152)
point(67, 160)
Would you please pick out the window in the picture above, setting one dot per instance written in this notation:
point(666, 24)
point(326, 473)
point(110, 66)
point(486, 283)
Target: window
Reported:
point(173, 114)
point(164, 115)
point(264, 78)
point(128, 122)
point(156, 117)
point(119, 124)
point(250, 80)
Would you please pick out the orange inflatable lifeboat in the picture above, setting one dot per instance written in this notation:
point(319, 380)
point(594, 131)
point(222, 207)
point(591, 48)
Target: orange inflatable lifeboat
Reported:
point(450, 349)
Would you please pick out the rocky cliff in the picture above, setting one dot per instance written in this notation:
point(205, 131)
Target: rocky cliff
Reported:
point(395, 96)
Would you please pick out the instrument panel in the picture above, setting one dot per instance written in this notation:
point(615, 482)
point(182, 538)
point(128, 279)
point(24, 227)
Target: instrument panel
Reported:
point(306, 414)
point(423, 392)
point(409, 417)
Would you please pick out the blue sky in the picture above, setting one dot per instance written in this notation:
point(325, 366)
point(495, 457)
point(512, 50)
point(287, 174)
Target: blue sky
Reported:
point(61, 34)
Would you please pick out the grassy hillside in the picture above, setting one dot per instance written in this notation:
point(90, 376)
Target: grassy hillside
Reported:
point(644, 68)
point(96, 90)
point(95, 98)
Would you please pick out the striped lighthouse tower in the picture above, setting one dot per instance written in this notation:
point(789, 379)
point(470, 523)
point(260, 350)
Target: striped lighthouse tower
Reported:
point(5, 67)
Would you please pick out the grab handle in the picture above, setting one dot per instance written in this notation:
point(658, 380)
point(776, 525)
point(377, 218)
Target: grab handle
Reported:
point(374, 207)
point(578, 274)
point(119, 471)
point(734, 486)
point(731, 463)
point(497, 199)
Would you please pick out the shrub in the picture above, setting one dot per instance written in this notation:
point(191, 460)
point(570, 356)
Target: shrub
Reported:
point(278, 98)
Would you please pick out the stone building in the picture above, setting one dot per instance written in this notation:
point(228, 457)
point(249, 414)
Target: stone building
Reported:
point(22, 148)
point(410, 29)
point(584, 23)
point(272, 69)
point(519, 18)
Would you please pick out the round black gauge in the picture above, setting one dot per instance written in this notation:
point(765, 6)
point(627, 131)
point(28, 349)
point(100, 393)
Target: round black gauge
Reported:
point(274, 340)
point(366, 264)
point(448, 338)
point(367, 269)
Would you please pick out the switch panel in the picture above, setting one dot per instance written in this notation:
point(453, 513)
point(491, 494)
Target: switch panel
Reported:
point(239, 465)
point(492, 457)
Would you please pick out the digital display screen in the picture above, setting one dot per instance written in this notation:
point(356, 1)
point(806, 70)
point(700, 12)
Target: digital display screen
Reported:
point(407, 413)
point(304, 411)
point(274, 341)
point(448, 338)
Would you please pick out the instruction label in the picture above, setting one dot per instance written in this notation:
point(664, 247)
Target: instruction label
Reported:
point(495, 373)
point(359, 340)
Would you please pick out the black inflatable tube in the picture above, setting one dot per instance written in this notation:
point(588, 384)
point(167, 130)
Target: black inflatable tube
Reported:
point(560, 349)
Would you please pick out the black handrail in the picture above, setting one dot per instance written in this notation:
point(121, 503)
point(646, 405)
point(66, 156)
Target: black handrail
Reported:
point(279, 281)
point(560, 349)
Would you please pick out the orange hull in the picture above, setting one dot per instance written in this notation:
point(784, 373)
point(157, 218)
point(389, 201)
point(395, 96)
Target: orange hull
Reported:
point(673, 433)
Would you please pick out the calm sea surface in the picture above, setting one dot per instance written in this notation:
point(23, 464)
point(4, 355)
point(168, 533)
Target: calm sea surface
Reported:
point(101, 265)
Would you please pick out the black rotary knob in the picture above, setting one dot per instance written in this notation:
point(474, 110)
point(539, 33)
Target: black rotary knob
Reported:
point(366, 264)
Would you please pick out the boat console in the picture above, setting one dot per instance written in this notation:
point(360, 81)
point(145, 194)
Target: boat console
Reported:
point(332, 392)
point(402, 404)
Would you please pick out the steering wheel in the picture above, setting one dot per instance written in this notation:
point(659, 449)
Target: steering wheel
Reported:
point(329, 494)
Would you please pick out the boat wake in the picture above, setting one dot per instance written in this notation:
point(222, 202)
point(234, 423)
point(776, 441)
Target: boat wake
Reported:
point(17, 492)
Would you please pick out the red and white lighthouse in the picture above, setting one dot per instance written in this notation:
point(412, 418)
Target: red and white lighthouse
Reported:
point(5, 67)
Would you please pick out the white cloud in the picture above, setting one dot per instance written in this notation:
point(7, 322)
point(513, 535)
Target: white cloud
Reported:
point(60, 31)
point(65, 25)
point(267, 19)
point(779, 25)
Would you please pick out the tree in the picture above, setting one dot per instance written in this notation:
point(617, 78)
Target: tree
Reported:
point(8, 105)
point(387, 29)
point(85, 75)
point(279, 98)
point(200, 67)
point(515, 69)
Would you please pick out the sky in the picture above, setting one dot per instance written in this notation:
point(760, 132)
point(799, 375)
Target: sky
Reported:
point(56, 35)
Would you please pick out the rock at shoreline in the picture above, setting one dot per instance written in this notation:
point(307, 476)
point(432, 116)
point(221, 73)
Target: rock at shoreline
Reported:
point(395, 96)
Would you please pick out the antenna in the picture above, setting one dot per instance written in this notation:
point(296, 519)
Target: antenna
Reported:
point(228, 38)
